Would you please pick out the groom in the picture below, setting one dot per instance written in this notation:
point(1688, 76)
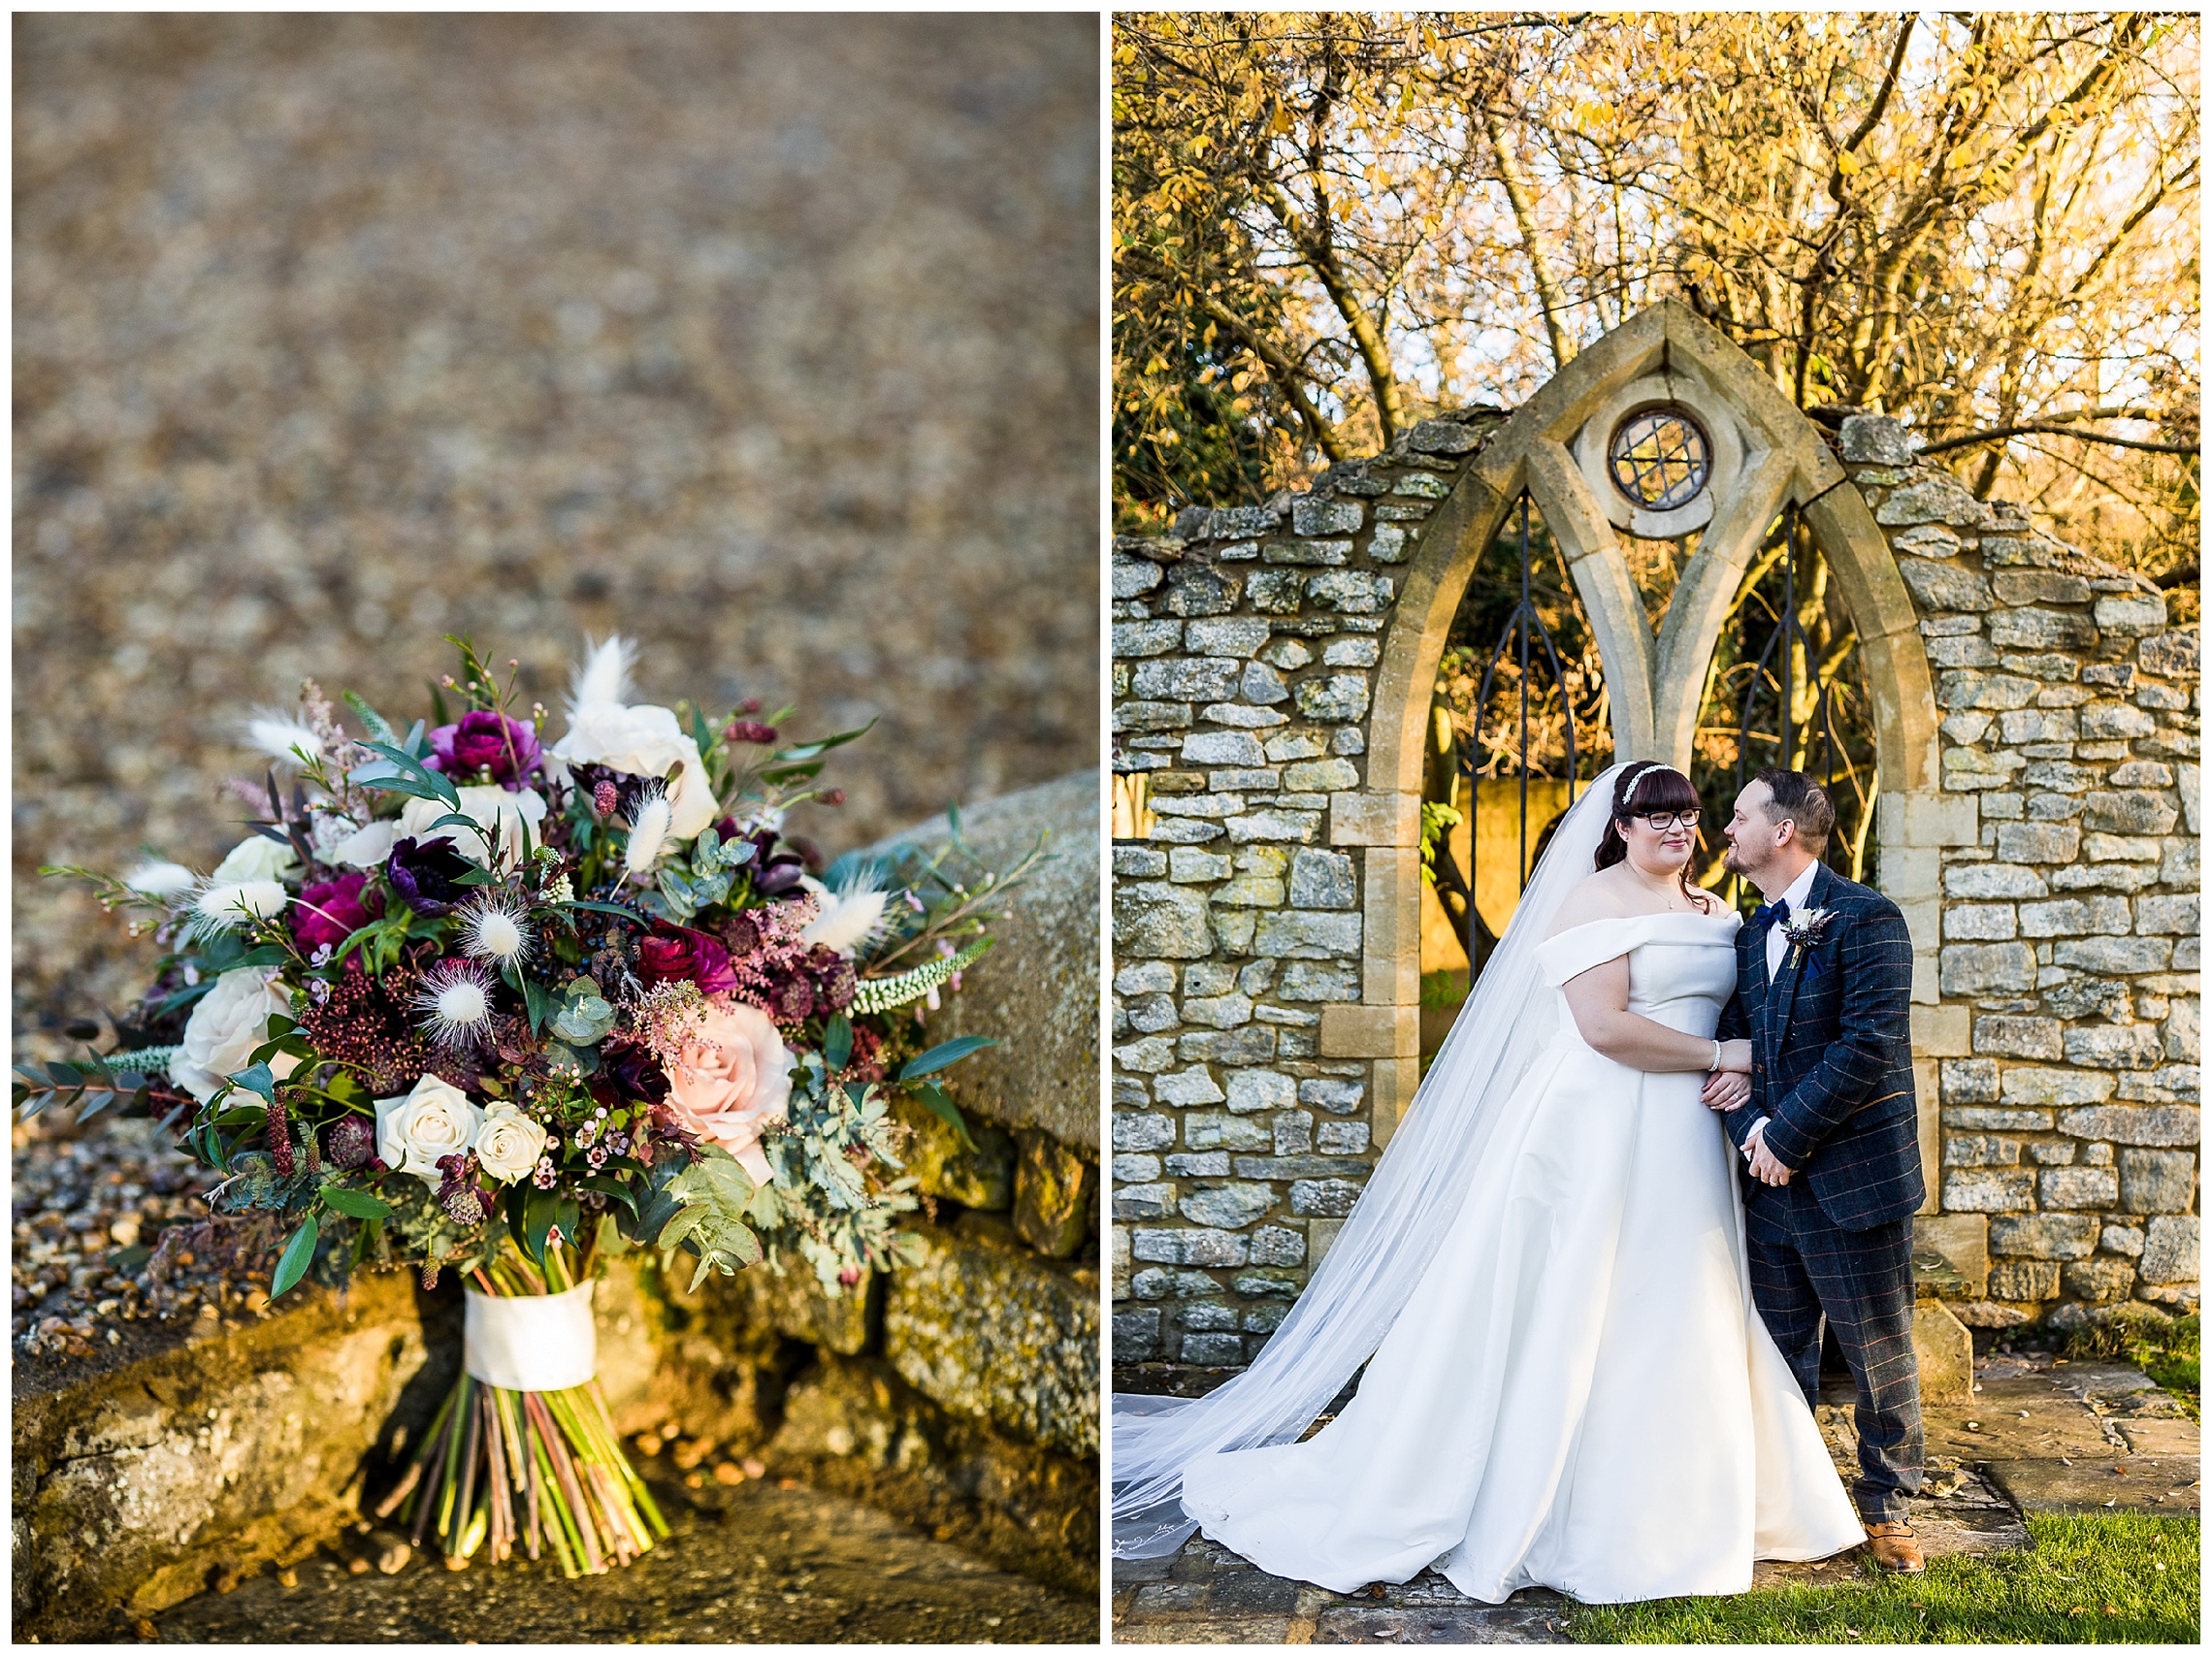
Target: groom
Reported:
point(1829, 1126)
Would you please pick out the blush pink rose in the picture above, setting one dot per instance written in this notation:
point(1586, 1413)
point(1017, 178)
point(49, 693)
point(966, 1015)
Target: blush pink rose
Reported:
point(731, 1080)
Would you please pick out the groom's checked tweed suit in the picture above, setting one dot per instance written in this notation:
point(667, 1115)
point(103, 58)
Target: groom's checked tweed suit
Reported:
point(1832, 1070)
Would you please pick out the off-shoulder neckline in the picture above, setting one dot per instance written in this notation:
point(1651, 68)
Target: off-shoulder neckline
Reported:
point(1725, 913)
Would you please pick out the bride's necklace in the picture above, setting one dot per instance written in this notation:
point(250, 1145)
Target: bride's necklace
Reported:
point(1667, 893)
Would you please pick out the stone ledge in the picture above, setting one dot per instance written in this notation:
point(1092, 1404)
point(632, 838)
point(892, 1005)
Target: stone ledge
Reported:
point(141, 1471)
point(133, 1478)
point(991, 1332)
point(1042, 977)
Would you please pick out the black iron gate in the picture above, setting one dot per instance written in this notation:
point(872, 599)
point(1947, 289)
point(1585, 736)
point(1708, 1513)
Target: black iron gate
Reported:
point(1526, 640)
point(1777, 662)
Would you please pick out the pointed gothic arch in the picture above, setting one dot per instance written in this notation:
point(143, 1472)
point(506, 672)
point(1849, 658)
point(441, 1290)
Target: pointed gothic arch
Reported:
point(1768, 455)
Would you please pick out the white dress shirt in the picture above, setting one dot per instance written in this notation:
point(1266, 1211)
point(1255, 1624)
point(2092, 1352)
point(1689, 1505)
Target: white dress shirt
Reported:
point(1797, 896)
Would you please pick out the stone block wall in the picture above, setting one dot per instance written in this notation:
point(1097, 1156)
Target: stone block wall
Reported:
point(1251, 1087)
point(2053, 882)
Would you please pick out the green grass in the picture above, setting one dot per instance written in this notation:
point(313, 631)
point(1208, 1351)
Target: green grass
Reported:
point(2165, 1347)
point(2127, 1578)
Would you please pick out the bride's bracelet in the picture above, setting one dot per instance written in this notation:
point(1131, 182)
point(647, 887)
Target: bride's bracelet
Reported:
point(1717, 1055)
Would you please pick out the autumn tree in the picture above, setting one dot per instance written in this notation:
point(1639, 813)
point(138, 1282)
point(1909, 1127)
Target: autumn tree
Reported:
point(1983, 223)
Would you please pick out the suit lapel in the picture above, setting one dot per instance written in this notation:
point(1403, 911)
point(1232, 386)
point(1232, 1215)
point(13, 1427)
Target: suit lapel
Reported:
point(1793, 962)
point(1751, 977)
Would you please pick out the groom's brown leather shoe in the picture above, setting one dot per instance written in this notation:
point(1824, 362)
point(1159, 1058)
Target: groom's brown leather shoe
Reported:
point(1894, 1548)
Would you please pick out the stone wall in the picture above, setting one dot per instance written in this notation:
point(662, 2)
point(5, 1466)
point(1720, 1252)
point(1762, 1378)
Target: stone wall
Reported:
point(2050, 882)
point(1243, 1126)
point(2060, 1044)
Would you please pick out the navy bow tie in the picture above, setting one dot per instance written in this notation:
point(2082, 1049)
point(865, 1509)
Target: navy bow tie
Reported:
point(1769, 914)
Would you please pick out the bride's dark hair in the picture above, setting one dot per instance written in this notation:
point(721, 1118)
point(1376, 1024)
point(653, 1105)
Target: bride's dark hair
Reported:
point(1641, 789)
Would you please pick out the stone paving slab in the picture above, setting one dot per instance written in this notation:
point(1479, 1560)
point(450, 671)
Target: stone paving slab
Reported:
point(1474, 1624)
point(2164, 1485)
point(2036, 1434)
point(2162, 1439)
point(757, 1564)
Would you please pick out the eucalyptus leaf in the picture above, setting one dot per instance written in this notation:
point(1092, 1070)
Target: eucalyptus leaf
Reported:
point(298, 1253)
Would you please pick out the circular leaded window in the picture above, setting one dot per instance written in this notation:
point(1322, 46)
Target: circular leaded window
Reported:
point(1660, 458)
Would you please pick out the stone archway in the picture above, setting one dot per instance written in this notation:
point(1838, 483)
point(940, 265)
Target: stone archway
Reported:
point(1769, 455)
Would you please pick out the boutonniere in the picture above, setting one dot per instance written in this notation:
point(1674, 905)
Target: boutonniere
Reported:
point(1804, 929)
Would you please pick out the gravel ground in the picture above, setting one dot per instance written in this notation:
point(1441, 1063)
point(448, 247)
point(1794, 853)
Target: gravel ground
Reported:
point(769, 341)
point(90, 1216)
point(758, 1563)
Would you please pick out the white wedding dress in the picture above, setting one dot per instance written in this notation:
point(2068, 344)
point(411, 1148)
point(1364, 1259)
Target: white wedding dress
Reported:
point(1578, 1392)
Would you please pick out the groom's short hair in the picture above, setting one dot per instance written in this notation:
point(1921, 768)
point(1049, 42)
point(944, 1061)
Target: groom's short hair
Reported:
point(1798, 798)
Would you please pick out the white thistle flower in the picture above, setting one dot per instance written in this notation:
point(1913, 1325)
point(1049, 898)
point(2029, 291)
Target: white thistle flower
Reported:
point(283, 738)
point(224, 905)
point(491, 930)
point(456, 1003)
point(649, 821)
point(154, 877)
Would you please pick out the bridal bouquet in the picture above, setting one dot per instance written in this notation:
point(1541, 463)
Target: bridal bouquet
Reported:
point(473, 1001)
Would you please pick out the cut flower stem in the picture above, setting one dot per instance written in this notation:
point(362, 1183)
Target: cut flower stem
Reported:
point(554, 1455)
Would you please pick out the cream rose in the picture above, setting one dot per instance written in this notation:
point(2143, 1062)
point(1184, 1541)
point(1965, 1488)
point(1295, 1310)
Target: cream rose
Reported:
point(731, 1080)
point(230, 1020)
point(643, 741)
point(508, 1144)
point(414, 1129)
point(342, 845)
point(257, 859)
point(498, 813)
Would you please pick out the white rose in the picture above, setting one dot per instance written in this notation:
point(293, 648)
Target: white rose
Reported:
point(257, 859)
point(363, 848)
point(228, 1023)
point(509, 1143)
point(643, 741)
point(414, 1129)
point(496, 812)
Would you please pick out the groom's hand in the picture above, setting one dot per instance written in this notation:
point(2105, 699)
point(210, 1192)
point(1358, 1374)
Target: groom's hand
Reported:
point(1764, 1167)
point(1726, 1090)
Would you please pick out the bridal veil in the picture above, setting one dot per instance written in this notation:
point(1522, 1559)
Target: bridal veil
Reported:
point(1393, 1231)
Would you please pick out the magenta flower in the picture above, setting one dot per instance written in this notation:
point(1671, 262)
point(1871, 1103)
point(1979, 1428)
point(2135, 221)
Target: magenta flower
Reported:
point(486, 741)
point(332, 911)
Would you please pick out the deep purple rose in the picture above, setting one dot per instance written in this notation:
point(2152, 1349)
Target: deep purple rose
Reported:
point(634, 1072)
point(486, 741)
point(427, 875)
point(332, 911)
point(678, 952)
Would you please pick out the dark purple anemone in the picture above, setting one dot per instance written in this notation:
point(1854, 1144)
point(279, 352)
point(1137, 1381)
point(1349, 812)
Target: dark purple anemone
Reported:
point(427, 875)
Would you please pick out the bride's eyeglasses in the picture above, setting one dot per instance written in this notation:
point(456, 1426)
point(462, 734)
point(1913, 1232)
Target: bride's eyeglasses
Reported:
point(1662, 821)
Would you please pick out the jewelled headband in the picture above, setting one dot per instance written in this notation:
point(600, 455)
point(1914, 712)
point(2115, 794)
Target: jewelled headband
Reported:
point(1629, 798)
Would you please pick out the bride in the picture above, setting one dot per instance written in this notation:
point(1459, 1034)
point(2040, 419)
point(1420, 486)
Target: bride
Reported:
point(1566, 1383)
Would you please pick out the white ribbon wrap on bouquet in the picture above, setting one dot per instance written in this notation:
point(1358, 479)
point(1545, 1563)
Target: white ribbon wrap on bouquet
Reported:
point(530, 1342)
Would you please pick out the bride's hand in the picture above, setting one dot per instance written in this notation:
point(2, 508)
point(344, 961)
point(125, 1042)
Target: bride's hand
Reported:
point(1736, 1056)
